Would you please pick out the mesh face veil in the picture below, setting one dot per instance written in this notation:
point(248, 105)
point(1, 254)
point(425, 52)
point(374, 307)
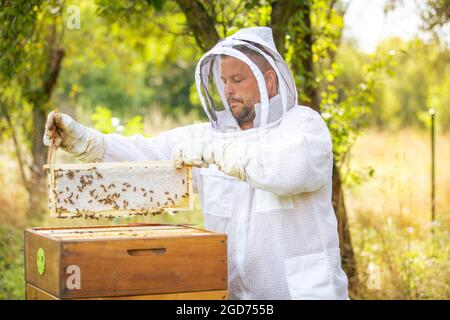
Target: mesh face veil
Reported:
point(257, 41)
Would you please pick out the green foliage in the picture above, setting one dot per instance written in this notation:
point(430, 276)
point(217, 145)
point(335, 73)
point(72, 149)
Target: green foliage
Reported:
point(345, 109)
point(418, 81)
point(20, 21)
point(11, 263)
point(140, 58)
point(105, 122)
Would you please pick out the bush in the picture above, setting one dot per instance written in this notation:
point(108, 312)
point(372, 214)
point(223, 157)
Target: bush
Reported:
point(12, 283)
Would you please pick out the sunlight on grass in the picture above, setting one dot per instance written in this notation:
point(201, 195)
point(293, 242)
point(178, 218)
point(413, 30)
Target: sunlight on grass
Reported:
point(390, 219)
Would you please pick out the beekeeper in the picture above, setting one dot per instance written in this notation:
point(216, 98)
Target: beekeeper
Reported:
point(262, 168)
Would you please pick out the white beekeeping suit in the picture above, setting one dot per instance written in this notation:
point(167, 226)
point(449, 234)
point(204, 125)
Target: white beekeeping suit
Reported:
point(268, 188)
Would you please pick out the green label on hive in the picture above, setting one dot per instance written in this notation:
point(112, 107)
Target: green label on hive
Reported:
point(40, 258)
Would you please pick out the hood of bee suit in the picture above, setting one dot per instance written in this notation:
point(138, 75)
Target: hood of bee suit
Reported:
point(268, 112)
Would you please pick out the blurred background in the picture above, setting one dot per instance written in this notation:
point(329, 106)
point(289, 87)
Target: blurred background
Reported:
point(377, 70)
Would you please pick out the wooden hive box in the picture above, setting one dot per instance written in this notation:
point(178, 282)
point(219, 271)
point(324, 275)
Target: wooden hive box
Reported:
point(136, 261)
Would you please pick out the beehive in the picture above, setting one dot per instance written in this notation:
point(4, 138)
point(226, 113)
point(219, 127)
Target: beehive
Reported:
point(94, 190)
point(144, 261)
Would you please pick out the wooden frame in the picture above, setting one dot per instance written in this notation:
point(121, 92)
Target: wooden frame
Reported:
point(180, 204)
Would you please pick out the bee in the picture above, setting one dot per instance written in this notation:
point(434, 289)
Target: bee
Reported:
point(78, 215)
point(90, 201)
point(92, 192)
point(145, 193)
point(151, 191)
point(134, 190)
point(183, 181)
point(98, 175)
point(70, 174)
point(166, 192)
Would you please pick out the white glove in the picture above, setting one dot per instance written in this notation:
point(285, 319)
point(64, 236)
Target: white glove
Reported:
point(85, 143)
point(228, 156)
point(190, 153)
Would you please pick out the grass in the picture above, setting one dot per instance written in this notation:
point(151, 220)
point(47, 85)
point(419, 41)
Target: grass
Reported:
point(398, 256)
point(389, 214)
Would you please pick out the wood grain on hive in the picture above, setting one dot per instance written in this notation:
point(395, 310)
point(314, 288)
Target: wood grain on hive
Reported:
point(109, 189)
point(142, 261)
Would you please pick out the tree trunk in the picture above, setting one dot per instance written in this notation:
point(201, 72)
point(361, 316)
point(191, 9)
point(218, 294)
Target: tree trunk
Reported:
point(282, 12)
point(40, 101)
point(37, 173)
point(303, 41)
point(200, 23)
point(345, 241)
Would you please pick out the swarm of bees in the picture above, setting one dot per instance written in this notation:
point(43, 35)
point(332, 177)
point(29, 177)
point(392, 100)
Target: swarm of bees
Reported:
point(97, 191)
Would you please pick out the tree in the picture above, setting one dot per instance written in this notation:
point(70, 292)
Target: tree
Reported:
point(30, 63)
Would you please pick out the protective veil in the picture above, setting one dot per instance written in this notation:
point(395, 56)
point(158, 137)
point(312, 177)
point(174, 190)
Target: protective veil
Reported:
point(268, 188)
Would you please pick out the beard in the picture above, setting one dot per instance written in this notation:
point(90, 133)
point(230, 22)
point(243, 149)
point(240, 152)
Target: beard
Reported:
point(244, 113)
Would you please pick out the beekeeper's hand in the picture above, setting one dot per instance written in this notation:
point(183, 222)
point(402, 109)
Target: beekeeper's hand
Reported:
point(190, 153)
point(85, 143)
point(229, 157)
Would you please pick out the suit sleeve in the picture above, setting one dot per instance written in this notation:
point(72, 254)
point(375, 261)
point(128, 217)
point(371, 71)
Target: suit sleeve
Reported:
point(296, 161)
point(160, 147)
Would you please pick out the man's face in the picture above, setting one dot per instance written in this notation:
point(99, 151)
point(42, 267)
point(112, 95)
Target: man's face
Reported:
point(241, 90)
